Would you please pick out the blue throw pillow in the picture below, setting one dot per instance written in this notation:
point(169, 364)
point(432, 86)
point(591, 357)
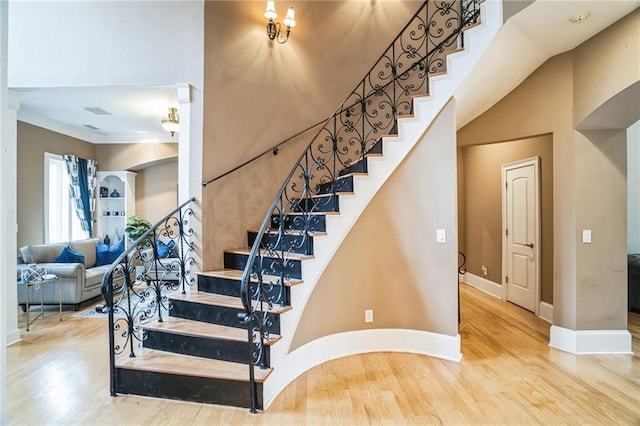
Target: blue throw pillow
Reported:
point(106, 255)
point(166, 250)
point(69, 255)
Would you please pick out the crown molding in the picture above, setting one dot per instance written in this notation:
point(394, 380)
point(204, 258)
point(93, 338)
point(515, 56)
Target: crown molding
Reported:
point(56, 126)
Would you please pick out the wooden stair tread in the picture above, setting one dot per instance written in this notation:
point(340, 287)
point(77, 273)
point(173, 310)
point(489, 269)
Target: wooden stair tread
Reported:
point(289, 255)
point(186, 365)
point(220, 300)
point(274, 231)
point(236, 274)
point(291, 213)
point(203, 329)
point(330, 194)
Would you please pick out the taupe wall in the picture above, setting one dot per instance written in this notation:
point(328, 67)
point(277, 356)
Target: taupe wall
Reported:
point(157, 190)
point(547, 103)
point(133, 156)
point(601, 205)
point(482, 200)
point(156, 183)
point(258, 93)
point(157, 178)
point(33, 142)
point(605, 65)
point(390, 262)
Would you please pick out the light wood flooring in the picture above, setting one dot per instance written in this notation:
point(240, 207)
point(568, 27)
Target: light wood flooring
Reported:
point(59, 375)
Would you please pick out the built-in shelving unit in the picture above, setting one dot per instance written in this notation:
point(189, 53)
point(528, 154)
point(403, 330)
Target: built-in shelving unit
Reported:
point(116, 202)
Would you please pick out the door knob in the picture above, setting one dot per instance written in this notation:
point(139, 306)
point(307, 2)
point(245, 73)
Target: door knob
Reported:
point(530, 245)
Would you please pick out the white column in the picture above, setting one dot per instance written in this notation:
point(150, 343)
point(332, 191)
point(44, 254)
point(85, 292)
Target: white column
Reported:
point(190, 163)
point(8, 249)
point(7, 215)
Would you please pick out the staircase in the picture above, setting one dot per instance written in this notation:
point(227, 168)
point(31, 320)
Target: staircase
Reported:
point(197, 349)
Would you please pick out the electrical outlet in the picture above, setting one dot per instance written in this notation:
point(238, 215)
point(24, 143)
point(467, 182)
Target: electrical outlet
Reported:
point(484, 270)
point(368, 315)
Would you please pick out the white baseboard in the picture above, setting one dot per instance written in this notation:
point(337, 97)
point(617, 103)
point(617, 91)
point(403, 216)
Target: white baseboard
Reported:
point(545, 311)
point(358, 342)
point(483, 284)
point(585, 342)
point(13, 337)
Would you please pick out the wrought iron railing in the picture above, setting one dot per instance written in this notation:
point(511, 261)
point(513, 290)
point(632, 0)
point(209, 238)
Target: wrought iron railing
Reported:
point(347, 137)
point(136, 285)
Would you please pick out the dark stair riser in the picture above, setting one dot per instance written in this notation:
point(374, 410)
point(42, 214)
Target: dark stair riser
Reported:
point(296, 243)
point(230, 287)
point(344, 184)
point(291, 268)
point(186, 388)
point(361, 166)
point(308, 223)
point(328, 203)
point(220, 315)
point(205, 347)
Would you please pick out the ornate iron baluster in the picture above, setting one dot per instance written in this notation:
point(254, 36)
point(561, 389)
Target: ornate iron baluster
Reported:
point(345, 139)
point(127, 291)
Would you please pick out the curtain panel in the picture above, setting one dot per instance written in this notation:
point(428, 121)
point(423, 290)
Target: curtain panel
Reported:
point(82, 189)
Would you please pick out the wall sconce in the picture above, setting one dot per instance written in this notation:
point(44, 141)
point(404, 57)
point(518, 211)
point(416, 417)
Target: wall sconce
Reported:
point(273, 28)
point(171, 122)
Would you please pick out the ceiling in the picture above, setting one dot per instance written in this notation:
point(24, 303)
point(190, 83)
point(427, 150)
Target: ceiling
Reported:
point(527, 39)
point(133, 113)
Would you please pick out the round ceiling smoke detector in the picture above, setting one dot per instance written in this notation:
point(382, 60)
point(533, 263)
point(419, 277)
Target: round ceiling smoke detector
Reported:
point(580, 17)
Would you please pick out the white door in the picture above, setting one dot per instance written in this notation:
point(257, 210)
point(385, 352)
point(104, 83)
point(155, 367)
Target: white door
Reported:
point(521, 227)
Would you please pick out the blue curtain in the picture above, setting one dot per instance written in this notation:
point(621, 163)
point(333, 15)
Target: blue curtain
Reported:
point(82, 183)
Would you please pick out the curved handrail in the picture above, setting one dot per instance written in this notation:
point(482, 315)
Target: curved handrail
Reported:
point(273, 149)
point(354, 129)
point(140, 292)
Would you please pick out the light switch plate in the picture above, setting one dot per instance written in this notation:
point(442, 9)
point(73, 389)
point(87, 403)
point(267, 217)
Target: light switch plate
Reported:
point(586, 236)
point(368, 315)
point(441, 236)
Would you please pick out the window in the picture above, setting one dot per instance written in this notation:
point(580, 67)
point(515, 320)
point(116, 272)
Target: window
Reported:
point(60, 220)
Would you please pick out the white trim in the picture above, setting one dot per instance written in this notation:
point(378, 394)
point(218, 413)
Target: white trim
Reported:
point(535, 162)
point(56, 126)
point(13, 337)
point(13, 100)
point(483, 284)
point(585, 342)
point(545, 311)
point(358, 342)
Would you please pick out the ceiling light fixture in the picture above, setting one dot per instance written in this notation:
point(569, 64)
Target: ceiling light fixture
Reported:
point(579, 18)
point(171, 122)
point(273, 28)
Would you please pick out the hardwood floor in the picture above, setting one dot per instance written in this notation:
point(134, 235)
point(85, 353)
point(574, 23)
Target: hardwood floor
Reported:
point(509, 375)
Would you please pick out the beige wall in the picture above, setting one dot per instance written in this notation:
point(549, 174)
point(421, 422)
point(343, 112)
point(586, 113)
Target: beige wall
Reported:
point(482, 199)
point(542, 104)
point(258, 93)
point(605, 65)
point(390, 262)
point(33, 142)
point(133, 156)
point(157, 190)
point(601, 205)
point(155, 184)
point(547, 103)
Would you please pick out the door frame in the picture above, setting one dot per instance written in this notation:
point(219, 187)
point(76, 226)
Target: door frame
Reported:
point(535, 162)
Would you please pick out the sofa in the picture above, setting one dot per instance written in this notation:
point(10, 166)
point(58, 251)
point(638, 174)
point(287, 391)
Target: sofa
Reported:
point(80, 281)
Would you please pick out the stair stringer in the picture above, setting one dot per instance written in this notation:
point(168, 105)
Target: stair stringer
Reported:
point(289, 365)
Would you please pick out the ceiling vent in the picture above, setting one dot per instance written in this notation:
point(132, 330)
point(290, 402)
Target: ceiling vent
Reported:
point(97, 110)
point(89, 126)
